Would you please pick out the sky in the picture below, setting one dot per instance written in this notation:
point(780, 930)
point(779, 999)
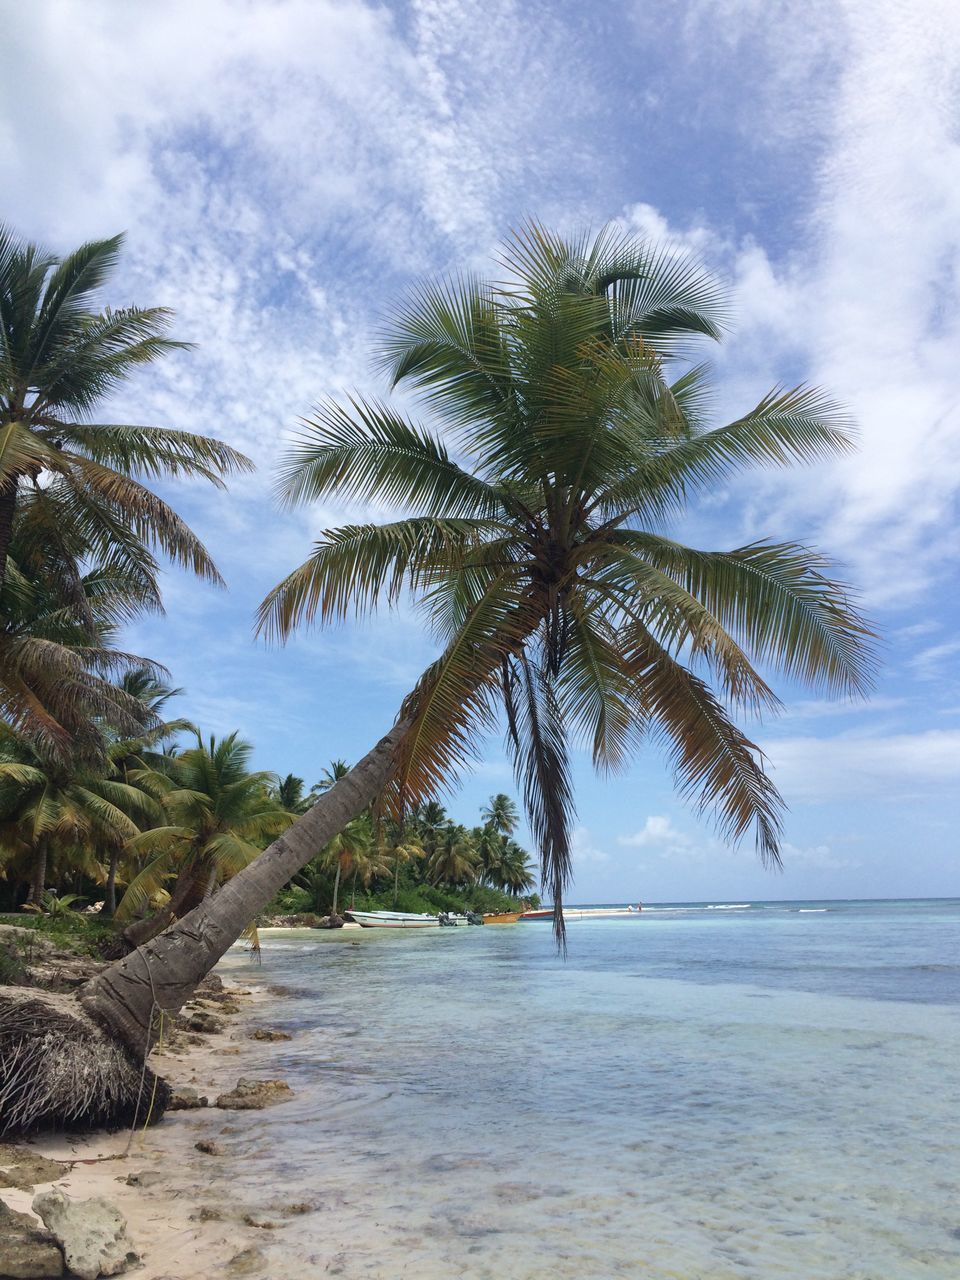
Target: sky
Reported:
point(285, 170)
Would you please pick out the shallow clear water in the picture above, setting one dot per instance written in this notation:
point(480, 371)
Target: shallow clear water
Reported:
point(766, 1091)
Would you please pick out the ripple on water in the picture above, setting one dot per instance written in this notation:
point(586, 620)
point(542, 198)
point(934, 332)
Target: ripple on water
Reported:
point(494, 1113)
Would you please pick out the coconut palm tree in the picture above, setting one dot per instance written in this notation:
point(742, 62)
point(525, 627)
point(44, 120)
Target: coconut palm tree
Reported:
point(134, 759)
point(455, 860)
point(348, 848)
point(290, 795)
point(407, 848)
point(218, 814)
point(58, 627)
point(541, 555)
point(60, 356)
point(45, 808)
point(501, 814)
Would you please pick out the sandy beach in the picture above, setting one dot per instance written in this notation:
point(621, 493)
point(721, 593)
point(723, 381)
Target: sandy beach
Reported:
point(174, 1198)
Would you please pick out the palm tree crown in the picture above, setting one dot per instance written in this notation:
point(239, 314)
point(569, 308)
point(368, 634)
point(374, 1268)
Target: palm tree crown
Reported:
point(538, 544)
point(59, 357)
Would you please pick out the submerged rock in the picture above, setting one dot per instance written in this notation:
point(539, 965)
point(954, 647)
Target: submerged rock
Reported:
point(208, 1147)
point(24, 1169)
point(254, 1095)
point(262, 1033)
point(26, 1252)
point(246, 1262)
point(185, 1098)
point(92, 1234)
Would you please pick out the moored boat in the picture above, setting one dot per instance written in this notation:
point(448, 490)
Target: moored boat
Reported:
point(393, 920)
point(501, 917)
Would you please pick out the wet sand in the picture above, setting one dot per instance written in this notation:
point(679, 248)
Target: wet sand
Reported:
point(179, 1212)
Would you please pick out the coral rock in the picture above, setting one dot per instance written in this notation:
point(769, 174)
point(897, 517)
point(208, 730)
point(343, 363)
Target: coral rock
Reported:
point(254, 1095)
point(92, 1234)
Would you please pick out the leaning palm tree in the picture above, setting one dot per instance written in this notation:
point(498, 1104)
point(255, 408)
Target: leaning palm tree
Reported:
point(60, 356)
point(541, 556)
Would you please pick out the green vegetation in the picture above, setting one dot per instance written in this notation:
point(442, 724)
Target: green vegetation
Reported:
point(430, 863)
point(575, 431)
point(575, 428)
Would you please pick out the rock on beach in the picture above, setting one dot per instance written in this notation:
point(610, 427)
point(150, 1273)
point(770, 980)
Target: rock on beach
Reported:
point(92, 1234)
point(254, 1095)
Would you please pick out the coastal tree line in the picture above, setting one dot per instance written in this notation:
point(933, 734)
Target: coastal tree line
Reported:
point(571, 430)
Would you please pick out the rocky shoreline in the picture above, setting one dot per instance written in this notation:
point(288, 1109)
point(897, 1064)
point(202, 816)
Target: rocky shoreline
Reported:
point(158, 1202)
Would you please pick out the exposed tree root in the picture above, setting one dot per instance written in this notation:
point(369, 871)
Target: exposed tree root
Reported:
point(58, 1070)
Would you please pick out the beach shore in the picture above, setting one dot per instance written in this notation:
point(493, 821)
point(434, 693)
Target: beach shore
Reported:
point(176, 1197)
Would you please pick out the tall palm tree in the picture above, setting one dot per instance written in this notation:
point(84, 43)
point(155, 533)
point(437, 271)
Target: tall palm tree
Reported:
point(59, 621)
point(218, 814)
point(541, 556)
point(44, 806)
point(454, 861)
point(60, 355)
point(407, 848)
point(348, 849)
point(132, 760)
point(501, 814)
point(290, 795)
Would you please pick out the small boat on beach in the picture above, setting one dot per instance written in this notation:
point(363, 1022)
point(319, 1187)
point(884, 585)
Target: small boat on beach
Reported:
point(393, 920)
point(501, 917)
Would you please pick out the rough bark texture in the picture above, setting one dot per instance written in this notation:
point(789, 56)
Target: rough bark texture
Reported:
point(109, 908)
point(164, 972)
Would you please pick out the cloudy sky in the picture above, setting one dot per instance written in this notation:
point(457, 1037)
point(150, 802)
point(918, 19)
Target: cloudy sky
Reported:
point(285, 169)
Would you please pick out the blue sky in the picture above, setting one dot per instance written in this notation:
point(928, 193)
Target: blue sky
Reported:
point(285, 170)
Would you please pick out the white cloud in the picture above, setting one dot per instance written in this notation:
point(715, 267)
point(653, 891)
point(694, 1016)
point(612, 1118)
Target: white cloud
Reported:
point(584, 852)
point(659, 833)
point(819, 857)
point(937, 660)
point(853, 766)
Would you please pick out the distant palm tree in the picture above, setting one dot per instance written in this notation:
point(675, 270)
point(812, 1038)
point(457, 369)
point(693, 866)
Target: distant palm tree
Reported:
point(347, 849)
point(290, 795)
point(454, 861)
point(59, 357)
point(218, 814)
point(133, 759)
point(45, 808)
point(501, 814)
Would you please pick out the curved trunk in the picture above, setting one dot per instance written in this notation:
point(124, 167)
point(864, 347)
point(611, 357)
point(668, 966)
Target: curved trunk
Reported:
point(184, 898)
point(164, 972)
point(396, 881)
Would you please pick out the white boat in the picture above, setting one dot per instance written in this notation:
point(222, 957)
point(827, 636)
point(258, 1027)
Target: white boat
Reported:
point(393, 920)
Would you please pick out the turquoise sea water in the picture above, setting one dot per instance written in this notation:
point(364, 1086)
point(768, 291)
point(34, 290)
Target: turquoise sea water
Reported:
point(701, 1092)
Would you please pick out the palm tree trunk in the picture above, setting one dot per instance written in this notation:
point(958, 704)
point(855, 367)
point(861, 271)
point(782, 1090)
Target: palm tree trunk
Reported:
point(8, 509)
point(39, 879)
point(396, 881)
point(164, 972)
point(336, 889)
point(353, 889)
point(109, 908)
